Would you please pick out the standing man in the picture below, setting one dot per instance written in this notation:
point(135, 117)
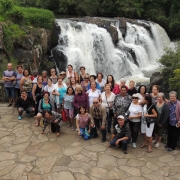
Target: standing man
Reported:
point(98, 118)
point(121, 104)
point(9, 76)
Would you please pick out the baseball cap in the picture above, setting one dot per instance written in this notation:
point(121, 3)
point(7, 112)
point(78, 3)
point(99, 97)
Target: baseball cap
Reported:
point(120, 117)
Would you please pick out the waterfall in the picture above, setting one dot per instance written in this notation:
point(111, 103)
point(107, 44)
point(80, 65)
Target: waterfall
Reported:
point(92, 46)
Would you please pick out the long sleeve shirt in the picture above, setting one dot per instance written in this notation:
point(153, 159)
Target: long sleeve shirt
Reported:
point(99, 113)
point(81, 100)
point(24, 103)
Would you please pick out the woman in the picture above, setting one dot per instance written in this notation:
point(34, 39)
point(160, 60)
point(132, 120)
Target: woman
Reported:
point(37, 93)
point(85, 83)
point(82, 74)
point(93, 79)
point(154, 94)
point(45, 104)
point(59, 92)
point(163, 115)
point(26, 83)
point(101, 81)
point(132, 90)
point(53, 76)
point(174, 121)
point(83, 123)
point(18, 77)
point(49, 88)
point(93, 93)
point(80, 99)
point(73, 83)
point(68, 106)
point(110, 80)
point(24, 103)
point(135, 111)
point(141, 94)
point(70, 73)
point(44, 77)
point(149, 111)
point(117, 88)
point(107, 99)
point(54, 119)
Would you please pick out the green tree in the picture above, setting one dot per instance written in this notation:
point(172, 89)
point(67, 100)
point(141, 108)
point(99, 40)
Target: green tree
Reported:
point(6, 5)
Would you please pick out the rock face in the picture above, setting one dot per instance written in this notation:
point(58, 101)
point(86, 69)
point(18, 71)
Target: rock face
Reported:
point(30, 50)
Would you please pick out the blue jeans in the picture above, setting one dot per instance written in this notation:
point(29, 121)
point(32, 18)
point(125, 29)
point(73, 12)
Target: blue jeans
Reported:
point(82, 133)
point(124, 143)
point(10, 92)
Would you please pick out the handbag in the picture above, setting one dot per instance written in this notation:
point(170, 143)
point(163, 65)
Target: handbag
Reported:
point(64, 118)
point(150, 120)
point(111, 114)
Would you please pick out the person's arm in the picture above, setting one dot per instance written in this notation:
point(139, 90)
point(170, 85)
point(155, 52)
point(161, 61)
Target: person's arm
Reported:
point(121, 139)
point(153, 115)
point(91, 116)
point(52, 105)
point(33, 92)
point(76, 76)
point(77, 124)
point(75, 102)
point(45, 125)
point(136, 116)
point(21, 83)
point(39, 107)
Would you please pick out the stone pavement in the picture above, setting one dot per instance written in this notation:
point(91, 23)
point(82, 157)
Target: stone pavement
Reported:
point(25, 154)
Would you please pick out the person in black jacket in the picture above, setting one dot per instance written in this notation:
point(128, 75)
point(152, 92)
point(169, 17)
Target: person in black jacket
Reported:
point(121, 134)
point(24, 103)
point(162, 119)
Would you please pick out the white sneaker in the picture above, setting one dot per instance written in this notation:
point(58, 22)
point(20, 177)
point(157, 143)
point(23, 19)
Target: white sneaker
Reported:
point(134, 145)
point(157, 145)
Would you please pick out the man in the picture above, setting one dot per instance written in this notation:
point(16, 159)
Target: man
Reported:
point(24, 103)
point(121, 104)
point(121, 135)
point(9, 76)
point(98, 118)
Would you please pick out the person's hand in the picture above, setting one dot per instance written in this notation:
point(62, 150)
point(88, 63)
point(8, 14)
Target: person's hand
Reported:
point(79, 132)
point(146, 115)
point(178, 125)
point(89, 131)
point(56, 121)
point(92, 124)
point(117, 142)
point(103, 127)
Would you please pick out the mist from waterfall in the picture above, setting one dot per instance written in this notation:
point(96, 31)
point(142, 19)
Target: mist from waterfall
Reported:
point(91, 46)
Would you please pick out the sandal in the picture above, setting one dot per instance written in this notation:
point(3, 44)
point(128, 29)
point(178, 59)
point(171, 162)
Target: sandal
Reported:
point(10, 104)
point(149, 150)
point(37, 124)
point(143, 145)
point(69, 125)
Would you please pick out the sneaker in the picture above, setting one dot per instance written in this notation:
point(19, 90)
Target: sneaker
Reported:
point(169, 150)
point(28, 115)
point(157, 145)
point(125, 152)
point(134, 145)
point(19, 117)
point(103, 140)
point(76, 129)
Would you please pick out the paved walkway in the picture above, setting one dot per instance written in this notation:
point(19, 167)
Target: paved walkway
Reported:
point(26, 154)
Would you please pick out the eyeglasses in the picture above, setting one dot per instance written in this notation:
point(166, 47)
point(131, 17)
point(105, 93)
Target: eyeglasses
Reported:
point(134, 97)
point(95, 102)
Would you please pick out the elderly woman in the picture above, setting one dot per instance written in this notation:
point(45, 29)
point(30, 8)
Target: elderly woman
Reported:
point(45, 104)
point(101, 81)
point(24, 103)
point(132, 90)
point(121, 135)
point(117, 88)
point(163, 115)
point(80, 99)
point(107, 99)
point(135, 111)
point(174, 121)
point(53, 118)
point(149, 112)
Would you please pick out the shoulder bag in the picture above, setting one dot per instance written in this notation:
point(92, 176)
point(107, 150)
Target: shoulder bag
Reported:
point(150, 120)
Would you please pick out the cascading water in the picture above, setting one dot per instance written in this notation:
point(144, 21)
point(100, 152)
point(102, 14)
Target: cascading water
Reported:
point(92, 46)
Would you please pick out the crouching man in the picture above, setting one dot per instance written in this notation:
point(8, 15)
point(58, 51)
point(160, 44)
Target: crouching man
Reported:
point(121, 135)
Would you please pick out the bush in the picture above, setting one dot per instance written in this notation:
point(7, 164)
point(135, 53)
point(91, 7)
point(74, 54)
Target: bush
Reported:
point(6, 5)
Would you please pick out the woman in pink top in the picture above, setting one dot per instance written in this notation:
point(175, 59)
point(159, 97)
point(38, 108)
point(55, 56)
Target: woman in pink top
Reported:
point(117, 88)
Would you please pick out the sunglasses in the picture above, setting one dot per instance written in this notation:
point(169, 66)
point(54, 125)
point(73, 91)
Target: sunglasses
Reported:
point(95, 102)
point(134, 97)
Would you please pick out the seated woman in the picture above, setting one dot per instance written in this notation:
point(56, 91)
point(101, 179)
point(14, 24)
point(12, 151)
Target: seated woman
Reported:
point(121, 135)
point(45, 104)
point(53, 118)
point(24, 103)
point(83, 123)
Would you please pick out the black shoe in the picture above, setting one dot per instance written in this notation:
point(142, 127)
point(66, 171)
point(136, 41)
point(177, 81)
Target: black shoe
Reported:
point(94, 135)
point(125, 152)
point(103, 140)
point(109, 131)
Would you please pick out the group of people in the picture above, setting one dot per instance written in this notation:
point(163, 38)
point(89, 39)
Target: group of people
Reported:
point(93, 104)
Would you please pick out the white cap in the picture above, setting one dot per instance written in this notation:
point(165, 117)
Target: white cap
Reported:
point(120, 117)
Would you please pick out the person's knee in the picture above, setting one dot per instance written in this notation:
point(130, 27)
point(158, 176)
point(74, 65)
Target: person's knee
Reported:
point(20, 110)
point(86, 137)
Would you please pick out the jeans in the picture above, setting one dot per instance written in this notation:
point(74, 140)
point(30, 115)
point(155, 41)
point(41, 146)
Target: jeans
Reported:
point(173, 136)
point(84, 134)
point(134, 127)
point(10, 92)
point(123, 143)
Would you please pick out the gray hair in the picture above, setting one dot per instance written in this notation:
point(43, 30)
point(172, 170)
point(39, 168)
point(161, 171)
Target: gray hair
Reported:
point(122, 80)
point(173, 92)
point(162, 95)
point(44, 71)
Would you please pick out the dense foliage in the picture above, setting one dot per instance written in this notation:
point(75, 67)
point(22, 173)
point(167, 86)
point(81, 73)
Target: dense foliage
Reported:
point(164, 12)
point(171, 71)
